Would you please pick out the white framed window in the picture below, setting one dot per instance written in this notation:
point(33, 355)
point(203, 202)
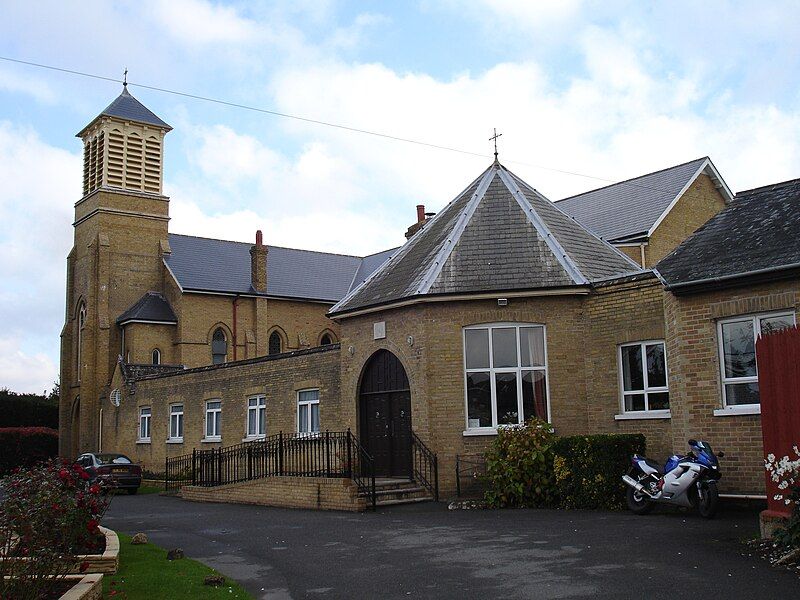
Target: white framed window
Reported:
point(308, 411)
point(145, 413)
point(213, 420)
point(737, 356)
point(643, 377)
point(175, 423)
point(505, 375)
point(156, 356)
point(256, 416)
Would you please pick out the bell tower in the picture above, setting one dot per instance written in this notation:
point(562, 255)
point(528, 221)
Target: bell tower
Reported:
point(120, 238)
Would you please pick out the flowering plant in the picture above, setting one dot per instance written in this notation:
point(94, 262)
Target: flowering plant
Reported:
point(786, 473)
point(51, 514)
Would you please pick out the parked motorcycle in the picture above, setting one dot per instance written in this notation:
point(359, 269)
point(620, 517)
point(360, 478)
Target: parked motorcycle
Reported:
point(689, 481)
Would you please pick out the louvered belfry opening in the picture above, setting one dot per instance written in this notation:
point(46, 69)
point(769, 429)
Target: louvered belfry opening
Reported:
point(123, 148)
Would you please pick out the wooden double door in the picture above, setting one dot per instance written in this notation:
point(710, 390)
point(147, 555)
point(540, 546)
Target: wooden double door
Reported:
point(385, 415)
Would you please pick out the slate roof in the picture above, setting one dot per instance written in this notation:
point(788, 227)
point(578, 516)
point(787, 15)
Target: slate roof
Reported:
point(757, 234)
point(203, 264)
point(630, 209)
point(499, 234)
point(126, 107)
point(150, 307)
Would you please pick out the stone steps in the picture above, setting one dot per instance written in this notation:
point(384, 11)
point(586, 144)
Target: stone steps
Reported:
point(394, 492)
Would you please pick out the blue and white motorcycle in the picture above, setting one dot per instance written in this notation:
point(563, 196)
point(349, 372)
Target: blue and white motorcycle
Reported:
point(689, 481)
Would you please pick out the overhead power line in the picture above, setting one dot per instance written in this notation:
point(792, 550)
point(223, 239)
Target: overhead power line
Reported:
point(320, 122)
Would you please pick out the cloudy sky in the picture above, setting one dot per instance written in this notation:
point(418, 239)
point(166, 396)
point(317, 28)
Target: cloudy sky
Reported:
point(584, 93)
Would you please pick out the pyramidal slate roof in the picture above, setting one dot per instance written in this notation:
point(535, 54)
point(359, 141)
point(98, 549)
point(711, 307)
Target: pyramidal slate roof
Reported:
point(151, 307)
point(755, 236)
point(632, 209)
point(499, 234)
point(126, 107)
point(209, 265)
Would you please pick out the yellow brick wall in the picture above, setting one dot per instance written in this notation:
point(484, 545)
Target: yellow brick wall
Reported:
point(694, 376)
point(279, 379)
point(320, 493)
point(697, 205)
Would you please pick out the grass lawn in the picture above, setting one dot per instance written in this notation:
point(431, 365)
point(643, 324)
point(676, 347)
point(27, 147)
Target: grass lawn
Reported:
point(145, 573)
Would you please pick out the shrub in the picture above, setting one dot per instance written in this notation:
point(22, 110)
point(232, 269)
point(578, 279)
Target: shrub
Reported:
point(519, 466)
point(50, 514)
point(786, 473)
point(26, 446)
point(588, 469)
point(28, 410)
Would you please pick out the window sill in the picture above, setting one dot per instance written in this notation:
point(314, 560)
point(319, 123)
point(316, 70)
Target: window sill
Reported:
point(479, 432)
point(175, 441)
point(254, 438)
point(643, 415)
point(143, 441)
point(735, 411)
point(210, 440)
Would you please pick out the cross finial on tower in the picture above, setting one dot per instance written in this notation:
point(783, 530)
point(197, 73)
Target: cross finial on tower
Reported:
point(494, 138)
point(125, 78)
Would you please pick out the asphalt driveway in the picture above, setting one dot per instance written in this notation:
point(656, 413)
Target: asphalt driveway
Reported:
point(426, 551)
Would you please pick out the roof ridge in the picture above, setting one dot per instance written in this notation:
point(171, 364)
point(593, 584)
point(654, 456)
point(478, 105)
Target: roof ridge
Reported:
point(581, 225)
point(630, 179)
point(542, 228)
point(456, 232)
point(769, 186)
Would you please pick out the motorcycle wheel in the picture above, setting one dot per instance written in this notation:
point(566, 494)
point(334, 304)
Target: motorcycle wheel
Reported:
point(638, 503)
point(708, 503)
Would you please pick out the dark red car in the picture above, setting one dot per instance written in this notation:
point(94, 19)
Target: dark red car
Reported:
point(112, 468)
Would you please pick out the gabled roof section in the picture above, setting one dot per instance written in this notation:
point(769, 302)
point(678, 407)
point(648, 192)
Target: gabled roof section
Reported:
point(150, 308)
point(128, 108)
point(209, 265)
point(499, 234)
point(633, 209)
point(755, 236)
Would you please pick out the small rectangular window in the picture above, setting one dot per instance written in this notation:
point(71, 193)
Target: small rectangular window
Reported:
point(256, 416)
point(643, 370)
point(308, 411)
point(176, 423)
point(737, 350)
point(213, 420)
point(144, 424)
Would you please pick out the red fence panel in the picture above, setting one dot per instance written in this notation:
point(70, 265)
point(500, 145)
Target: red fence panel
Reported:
point(778, 356)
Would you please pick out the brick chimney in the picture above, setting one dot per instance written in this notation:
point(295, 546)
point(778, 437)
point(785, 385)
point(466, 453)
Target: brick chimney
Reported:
point(258, 264)
point(421, 218)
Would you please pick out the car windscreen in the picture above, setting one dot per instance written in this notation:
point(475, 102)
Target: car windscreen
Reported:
point(117, 459)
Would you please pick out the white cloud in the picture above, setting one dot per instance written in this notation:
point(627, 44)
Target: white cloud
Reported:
point(27, 84)
point(22, 372)
point(40, 184)
point(199, 22)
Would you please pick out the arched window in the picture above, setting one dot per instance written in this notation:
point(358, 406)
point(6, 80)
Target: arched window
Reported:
point(81, 325)
point(219, 347)
point(275, 343)
point(156, 356)
point(325, 339)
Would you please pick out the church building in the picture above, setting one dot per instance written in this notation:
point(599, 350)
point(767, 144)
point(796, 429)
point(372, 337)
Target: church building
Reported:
point(630, 308)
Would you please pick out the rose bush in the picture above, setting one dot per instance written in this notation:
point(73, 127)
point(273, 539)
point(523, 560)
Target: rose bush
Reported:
point(51, 514)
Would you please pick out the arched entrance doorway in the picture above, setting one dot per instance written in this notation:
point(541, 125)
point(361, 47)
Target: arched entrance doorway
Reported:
point(385, 415)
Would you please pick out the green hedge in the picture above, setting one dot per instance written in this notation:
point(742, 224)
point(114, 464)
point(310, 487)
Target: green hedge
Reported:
point(531, 467)
point(28, 410)
point(25, 446)
point(589, 469)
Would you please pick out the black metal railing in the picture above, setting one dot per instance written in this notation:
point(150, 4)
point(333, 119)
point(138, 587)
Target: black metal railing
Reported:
point(178, 471)
point(470, 470)
point(425, 466)
point(324, 454)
